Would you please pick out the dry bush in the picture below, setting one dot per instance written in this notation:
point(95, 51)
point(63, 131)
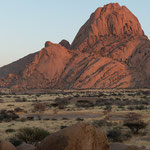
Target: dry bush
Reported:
point(134, 123)
point(84, 103)
point(135, 126)
point(133, 116)
point(40, 107)
point(61, 103)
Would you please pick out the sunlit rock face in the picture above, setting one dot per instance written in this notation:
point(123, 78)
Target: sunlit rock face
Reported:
point(109, 51)
point(106, 22)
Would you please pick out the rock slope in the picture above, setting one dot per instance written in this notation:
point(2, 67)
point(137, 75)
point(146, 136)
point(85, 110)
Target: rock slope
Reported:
point(109, 51)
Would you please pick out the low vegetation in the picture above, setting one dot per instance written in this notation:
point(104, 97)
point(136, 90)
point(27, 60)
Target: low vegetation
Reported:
point(122, 115)
point(31, 135)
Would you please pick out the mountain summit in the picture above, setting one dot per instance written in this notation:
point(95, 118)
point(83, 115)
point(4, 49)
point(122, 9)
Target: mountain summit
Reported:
point(109, 51)
point(110, 20)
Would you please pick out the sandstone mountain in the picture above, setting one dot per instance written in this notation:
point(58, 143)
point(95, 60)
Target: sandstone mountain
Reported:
point(109, 51)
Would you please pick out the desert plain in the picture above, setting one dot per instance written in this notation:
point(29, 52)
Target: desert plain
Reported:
point(54, 110)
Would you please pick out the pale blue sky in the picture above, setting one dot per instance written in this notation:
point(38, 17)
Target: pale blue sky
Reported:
point(25, 25)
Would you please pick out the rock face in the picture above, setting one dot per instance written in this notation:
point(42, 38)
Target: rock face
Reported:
point(77, 137)
point(16, 67)
point(109, 51)
point(65, 43)
point(109, 21)
point(47, 67)
point(6, 146)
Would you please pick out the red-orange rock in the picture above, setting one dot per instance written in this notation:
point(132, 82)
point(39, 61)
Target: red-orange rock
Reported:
point(108, 21)
point(47, 67)
point(109, 51)
point(65, 43)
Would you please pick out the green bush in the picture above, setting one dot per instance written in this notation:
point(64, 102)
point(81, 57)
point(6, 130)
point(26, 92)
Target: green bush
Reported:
point(31, 135)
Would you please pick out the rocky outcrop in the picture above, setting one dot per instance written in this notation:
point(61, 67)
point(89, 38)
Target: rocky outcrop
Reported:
point(65, 43)
point(77, 137)
point(109, 51)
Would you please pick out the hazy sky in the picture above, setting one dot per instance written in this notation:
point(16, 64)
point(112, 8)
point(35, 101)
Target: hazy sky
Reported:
point(25, 25)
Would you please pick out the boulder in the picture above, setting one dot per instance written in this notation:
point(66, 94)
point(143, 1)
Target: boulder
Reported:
point(6, 146)
point(82, 136)
point(25, 146)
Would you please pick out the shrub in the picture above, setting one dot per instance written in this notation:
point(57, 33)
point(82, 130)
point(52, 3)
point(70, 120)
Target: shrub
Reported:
point(9, 130)
point(1, 101)
point(31, 135)
point(61, 103)
point(140, 107)
point(18, 109)
point(8, 115)
point(84, 103)
point(115, 135)
point(15, 141)
point(63, 127)
point(133, 121)
point(100, 102)
point(131, 108)
point(79, 119)
point(99, 123)
point(21, 100)
point(135, 126)
point(133, 116)
point(39, 107)
point(108, 107)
